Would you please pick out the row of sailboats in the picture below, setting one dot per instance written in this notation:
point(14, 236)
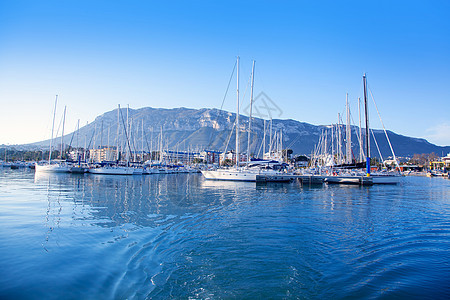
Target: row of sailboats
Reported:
point(339, 168)
point(114, 166)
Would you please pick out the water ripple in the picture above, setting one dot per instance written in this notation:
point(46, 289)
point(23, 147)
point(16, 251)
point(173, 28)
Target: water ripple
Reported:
point(165, 237)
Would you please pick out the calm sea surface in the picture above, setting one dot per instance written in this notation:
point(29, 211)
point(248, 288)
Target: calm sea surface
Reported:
point(178, 236)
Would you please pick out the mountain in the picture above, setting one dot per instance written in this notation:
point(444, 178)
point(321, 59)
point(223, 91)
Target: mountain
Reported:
point(199, 129)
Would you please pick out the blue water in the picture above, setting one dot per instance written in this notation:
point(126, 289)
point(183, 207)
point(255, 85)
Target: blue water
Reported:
point(178, 236)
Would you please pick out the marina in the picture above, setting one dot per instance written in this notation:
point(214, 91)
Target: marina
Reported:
point(224, 150)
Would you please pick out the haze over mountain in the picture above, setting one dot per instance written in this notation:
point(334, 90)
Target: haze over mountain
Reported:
point(199, 129)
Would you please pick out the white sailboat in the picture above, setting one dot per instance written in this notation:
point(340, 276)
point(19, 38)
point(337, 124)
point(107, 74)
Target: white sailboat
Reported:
point(377, 177)
point(112, 170)
point(238, 173)
point(53, 166)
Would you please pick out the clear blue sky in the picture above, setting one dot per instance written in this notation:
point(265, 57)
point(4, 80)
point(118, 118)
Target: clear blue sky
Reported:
point(309, 54)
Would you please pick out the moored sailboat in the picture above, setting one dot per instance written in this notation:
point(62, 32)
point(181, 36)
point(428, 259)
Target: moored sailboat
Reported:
point(112, 170)
point(238, 173)
point(53, 166)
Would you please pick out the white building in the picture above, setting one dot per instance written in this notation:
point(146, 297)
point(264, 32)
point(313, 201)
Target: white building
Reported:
point(103, 154)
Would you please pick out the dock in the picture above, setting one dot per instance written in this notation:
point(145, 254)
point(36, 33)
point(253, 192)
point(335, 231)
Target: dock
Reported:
point(304, 179)
point(316, 179)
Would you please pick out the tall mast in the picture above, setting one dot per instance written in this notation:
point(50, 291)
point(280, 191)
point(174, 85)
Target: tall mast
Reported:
point(118, 131)
point(250, 118)
point(151, 146)
point(270, 137)
point(264, 138)
point(62, 133)
point(127, 133)
point(361, 151)
point(85, 145)
point(348, 144)
point(237, 114)
point(101, 136)
point(281, 144)
point(78, 135)
point(108, 149)
point(142, 141)
point(160, 146)
point(94, 143)
point(325, 146)
point(132, 140)
point(332, 144)
point(339, 138)
point(366, 109)
point(53, 127)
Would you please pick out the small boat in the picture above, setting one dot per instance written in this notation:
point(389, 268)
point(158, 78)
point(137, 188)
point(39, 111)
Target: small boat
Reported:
point(246, 174)
point(52, 167)
point(112, 170)
point(434, 174)
point(235, 174)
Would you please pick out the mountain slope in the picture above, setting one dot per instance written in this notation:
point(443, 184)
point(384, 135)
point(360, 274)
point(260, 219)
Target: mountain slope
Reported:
point(198, 129)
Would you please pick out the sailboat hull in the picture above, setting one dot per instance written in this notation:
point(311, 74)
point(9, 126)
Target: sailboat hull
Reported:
point(112, 171)
point(230, 175)
point(52, 168)
point(78, 170)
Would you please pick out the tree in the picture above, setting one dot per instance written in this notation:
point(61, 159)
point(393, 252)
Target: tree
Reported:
point(198, 161)
point(227, 162)
point(287, 153)
point(423, 159)
point(300, 158)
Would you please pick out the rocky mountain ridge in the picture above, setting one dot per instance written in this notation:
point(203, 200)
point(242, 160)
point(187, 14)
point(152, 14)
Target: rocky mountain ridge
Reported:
point(213, 129)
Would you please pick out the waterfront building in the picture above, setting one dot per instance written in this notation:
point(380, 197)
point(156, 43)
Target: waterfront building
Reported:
point(105, 153)
point(441, 164)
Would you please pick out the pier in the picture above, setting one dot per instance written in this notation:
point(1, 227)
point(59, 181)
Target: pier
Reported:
point(359, 180)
